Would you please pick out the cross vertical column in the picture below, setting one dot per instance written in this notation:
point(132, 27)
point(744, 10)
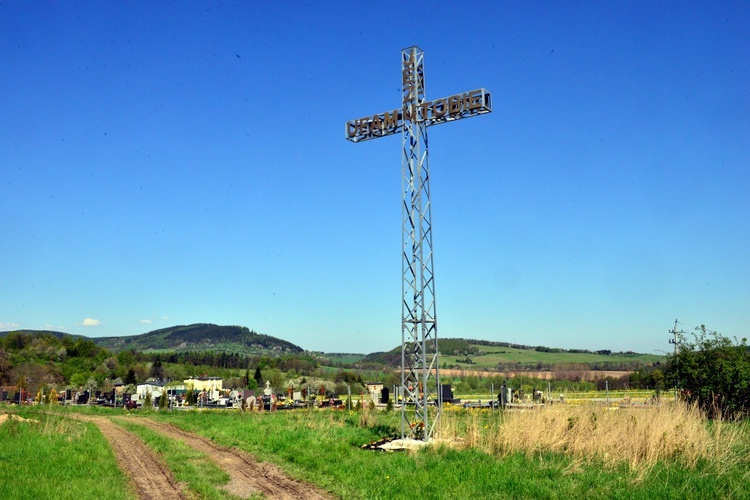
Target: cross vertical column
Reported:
point(419, 348)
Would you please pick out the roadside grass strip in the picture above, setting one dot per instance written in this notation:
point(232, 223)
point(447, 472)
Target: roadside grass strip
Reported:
point(323, 448)
point(189, 466)
point(52, 457)
point(577, 452)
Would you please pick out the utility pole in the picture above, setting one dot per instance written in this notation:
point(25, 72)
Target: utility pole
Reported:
point(676, 342)
point(606, 386)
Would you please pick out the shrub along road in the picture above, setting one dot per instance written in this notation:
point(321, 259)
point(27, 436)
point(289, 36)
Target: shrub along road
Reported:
point(151, 479)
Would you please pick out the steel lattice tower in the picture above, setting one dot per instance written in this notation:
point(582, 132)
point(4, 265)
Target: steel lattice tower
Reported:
point(421, 397)
point(419, 352)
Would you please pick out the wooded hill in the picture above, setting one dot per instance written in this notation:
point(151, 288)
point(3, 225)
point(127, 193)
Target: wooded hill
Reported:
point(455, 352)
point(201, 337)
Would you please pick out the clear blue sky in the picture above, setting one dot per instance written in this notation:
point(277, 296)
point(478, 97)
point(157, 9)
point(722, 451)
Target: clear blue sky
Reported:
point(167, 163)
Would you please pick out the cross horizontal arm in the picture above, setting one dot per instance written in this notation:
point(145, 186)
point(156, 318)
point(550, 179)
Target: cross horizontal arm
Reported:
point(446, 109)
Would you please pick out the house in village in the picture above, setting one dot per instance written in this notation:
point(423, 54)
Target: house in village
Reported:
point(153, 388)
point(213, 387)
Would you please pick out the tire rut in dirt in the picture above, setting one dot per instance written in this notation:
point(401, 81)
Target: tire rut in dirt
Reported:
point(151, 479)
point(247, 476)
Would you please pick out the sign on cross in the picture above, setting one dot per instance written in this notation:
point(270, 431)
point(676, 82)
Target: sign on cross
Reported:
point(443, 110)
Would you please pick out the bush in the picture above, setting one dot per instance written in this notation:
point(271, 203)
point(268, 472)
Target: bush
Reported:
point(713, 372)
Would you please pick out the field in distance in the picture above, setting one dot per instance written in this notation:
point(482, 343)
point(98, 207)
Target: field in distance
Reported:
point(489, 356)
point(480, 355)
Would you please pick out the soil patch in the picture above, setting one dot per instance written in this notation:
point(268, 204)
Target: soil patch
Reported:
point(247, 476)
point(6, 416)
point(149, 476)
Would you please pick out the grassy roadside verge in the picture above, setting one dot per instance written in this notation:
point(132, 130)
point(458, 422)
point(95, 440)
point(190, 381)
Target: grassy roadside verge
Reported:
point(323, 448)
point(50, 456)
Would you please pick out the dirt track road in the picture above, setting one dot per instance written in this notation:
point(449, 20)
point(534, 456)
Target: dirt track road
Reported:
point(152, 480)
point(149, 476)
point(247, 476)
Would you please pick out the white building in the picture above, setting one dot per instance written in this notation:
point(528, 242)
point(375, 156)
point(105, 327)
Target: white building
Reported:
point(212, 386)
point(153, 388)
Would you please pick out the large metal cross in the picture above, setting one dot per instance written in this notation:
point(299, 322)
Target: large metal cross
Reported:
point(420, 382)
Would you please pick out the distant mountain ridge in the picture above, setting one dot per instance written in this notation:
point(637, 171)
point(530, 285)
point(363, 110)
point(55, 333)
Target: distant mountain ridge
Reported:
point(54, 333)
point(207, 337)
point(200, 337)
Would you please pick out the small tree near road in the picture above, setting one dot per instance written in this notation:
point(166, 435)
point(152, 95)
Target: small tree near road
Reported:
point(713, 372)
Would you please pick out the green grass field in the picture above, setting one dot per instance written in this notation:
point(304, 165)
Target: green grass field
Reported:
point(49, 456)
point(323, 447)
point(494, 355)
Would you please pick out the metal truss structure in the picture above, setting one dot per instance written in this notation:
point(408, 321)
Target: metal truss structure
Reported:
point(420, 392)
point(419, 349)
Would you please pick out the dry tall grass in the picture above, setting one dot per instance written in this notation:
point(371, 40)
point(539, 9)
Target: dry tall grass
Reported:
point(638, 437)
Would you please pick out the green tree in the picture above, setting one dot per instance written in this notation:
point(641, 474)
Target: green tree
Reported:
point(126, 358)
point(157, 371)
point(245, 382)
point(130, 378)
point(5, 364)
point(163, 399)
point(712, 371)
point(472, 381)
point(275, 377)
point(658, 379)
point(78, 380)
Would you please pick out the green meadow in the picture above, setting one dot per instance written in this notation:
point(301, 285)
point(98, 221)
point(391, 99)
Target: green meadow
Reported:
point(592, 452)
point(47, 455)
point(505, 355)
